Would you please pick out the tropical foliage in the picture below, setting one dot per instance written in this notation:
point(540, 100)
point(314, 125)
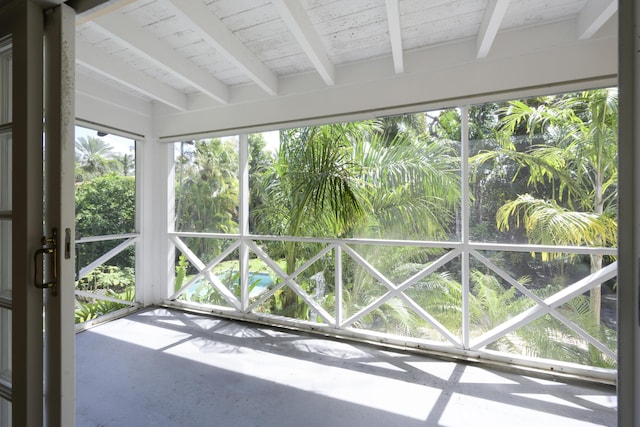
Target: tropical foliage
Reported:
point(105, 206)
point(572, 149)
point(541, 170)
point(96, 157)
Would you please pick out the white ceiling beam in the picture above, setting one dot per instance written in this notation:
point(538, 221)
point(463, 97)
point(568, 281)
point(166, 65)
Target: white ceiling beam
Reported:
point(218, 35)
point(90, 57)
point(294, 17)
point(594, 15)
point(123, 29)
point(493, 16)
point(439, 77)
point(395, 34)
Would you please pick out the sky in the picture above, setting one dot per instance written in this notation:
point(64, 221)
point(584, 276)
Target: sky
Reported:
point(120, 144)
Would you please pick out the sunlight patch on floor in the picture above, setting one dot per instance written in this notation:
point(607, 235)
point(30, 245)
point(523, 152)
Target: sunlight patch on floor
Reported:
point(387, 394)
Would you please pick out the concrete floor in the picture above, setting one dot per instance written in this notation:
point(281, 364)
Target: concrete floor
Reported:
point(162, 367)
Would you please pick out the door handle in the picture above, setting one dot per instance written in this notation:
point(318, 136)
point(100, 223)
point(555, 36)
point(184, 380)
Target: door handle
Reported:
point(50, 248)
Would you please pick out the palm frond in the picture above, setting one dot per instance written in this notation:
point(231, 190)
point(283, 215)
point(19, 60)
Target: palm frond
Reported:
point(548, 223)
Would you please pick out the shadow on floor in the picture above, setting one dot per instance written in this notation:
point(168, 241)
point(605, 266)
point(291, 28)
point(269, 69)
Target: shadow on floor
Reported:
point(163, 367)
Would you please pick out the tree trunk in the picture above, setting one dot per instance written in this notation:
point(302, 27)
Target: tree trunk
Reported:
point(596, 293)
point(596, 260)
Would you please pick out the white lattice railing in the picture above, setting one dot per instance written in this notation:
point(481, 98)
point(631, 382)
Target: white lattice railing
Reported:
point(128, 240)
point(336, 321)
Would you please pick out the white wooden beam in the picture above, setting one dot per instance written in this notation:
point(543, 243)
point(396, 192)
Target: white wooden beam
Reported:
point(395, 34)
point(90, 57)
point(128, 33)
point(594, 15)
point(493, 15)
point(294, 17)
point(438, 77)
point(218, 35)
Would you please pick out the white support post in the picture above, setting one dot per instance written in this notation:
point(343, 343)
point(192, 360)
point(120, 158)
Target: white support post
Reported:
point(243, 219)
point(464, 221)
point(154, 220)
point(629, 214)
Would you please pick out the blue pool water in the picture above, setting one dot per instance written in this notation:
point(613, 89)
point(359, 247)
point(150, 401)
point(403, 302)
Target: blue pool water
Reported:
point(260, 282)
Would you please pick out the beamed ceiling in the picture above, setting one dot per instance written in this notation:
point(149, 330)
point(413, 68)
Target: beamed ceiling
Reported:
point(192, 60)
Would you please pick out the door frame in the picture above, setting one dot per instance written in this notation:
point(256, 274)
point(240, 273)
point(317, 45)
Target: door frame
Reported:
point(31, 403)
point(59, 214)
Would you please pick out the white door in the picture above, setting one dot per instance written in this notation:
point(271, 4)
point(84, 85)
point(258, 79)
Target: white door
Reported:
point(36, 324)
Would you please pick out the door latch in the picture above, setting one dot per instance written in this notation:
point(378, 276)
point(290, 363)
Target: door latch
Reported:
point(50, 249)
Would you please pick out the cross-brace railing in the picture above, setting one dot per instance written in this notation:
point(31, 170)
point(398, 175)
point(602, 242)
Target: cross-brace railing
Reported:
point(332, 317)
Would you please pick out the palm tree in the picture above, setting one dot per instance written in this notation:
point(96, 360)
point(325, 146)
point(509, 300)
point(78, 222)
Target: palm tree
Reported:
point(207, 192)
point(577, 156)
point(414, 186)
point(127, 163)
point(391, 126)
point(93, 155)
point(347, 179)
